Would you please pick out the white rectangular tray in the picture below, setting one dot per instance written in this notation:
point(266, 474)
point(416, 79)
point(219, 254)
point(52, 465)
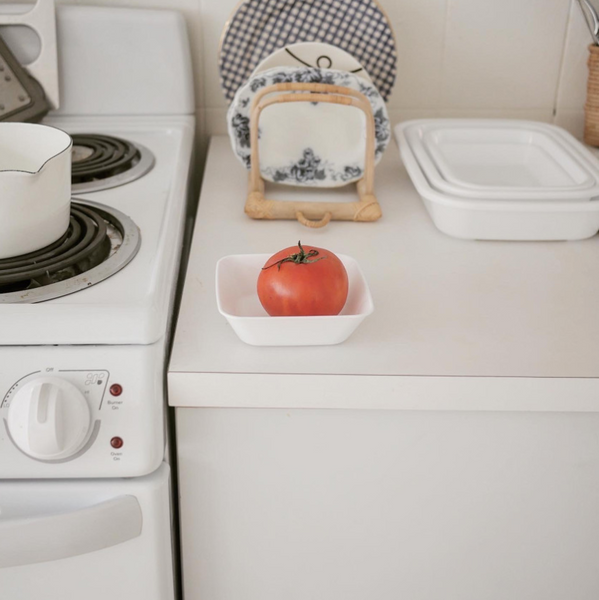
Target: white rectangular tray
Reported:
point(577, 161)
point(497, 220)
point(237, 300)
point(517, 157)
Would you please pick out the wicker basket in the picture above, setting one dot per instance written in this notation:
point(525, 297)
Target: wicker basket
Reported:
point(591, 108)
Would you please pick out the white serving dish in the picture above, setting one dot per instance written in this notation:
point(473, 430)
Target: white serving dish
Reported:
point(237, 300)
point(568, 161)
point(514, 158)
point(317, 55)
point(499, 220)
point(35, 187)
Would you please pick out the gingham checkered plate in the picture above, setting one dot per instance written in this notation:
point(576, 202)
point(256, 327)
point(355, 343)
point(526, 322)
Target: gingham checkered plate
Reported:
point(259, 27)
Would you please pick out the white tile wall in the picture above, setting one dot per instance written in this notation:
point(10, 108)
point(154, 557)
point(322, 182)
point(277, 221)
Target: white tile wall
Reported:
point(571, 89)
point(419, 55)
point(502, 54)
point(512, 58)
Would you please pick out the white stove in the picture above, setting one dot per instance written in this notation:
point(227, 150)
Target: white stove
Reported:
point(82, 360)
point(130, 307)
point(112, 332)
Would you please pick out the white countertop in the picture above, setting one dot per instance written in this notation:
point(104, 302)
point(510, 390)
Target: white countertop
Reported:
point(445, 308)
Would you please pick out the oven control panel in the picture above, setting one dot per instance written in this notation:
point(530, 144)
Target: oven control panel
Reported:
point(81, 411)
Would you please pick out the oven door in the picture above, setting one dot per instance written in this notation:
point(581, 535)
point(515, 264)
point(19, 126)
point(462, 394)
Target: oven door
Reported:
point(92, 539)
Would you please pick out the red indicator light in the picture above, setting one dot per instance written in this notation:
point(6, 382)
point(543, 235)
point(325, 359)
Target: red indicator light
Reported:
point(116, 442)
point(116, 389)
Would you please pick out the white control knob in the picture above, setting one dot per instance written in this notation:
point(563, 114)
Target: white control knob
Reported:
point(49, 418)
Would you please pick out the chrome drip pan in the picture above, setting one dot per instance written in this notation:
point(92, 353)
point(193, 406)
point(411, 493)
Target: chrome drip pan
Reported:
point(100, 242)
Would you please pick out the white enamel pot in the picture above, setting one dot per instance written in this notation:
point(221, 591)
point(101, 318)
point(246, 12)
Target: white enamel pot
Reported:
point(35, 187)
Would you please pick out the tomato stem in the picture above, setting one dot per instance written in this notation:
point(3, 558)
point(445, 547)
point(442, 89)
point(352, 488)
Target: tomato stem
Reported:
point(300, 258)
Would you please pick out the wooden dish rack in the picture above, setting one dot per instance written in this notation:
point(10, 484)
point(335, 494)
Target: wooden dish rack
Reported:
point(312, 214)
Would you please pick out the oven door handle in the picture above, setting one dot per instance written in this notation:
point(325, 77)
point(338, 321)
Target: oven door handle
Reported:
point(30, 540)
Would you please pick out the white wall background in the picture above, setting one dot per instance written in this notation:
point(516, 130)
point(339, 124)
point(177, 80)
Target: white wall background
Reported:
point(497, 58)
point(513, 58)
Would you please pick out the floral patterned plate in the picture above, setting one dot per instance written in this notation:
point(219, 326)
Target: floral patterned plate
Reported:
point(308, 143)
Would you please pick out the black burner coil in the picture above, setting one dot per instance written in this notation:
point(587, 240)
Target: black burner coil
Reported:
point(109, 156)
point(84, 245)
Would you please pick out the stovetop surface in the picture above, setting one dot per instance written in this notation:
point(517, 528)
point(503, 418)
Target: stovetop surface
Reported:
point(131, 306)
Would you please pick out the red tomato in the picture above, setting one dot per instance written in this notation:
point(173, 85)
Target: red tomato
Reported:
point(303, 281)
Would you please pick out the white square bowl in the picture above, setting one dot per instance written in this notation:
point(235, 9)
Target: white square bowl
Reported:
point(237, 300)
